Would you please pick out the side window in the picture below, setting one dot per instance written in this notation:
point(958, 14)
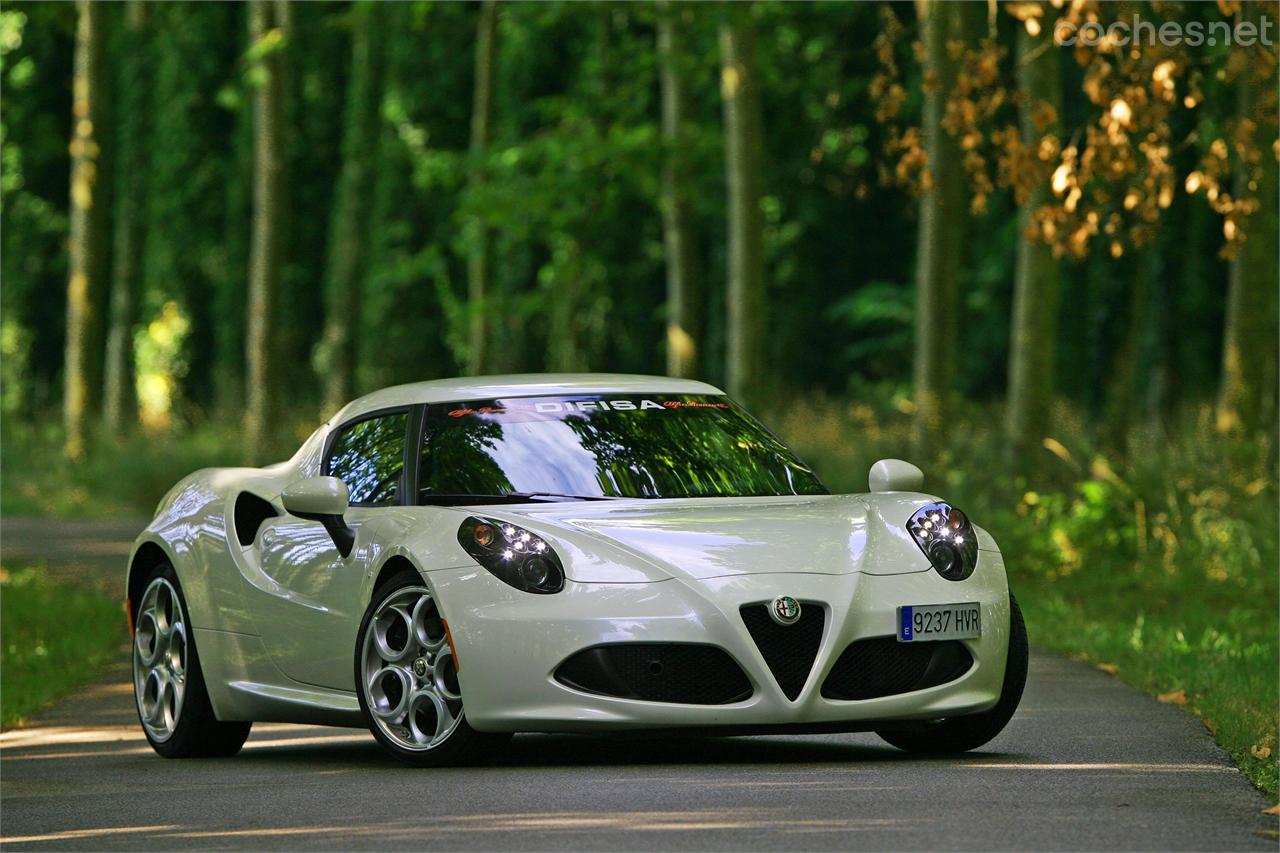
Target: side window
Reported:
point(369, 457)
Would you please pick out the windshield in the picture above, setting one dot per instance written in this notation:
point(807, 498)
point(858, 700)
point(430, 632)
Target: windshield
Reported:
point(604, 446)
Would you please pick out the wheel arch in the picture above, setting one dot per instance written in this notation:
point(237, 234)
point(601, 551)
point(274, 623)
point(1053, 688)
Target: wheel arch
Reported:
point(393, 565)
point(146, 556)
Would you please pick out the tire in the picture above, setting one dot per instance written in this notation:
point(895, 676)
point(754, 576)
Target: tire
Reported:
point(169, 690)
point(407, 683)
point(961, 734)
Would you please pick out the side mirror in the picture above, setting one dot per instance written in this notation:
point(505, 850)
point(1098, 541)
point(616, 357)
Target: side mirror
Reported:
point(322, 499)
point(894, 475)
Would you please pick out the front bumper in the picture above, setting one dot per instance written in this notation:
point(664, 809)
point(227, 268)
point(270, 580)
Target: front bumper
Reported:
point(509, 645)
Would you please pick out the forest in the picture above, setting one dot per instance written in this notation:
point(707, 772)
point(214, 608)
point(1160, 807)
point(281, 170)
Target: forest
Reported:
point(1031, 246)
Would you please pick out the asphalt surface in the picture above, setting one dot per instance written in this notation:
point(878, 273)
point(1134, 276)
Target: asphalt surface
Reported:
point(1087, 763)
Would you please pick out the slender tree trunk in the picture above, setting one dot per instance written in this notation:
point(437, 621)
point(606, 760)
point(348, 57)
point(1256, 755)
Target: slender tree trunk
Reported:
point(1033, 338)
point(743, 143)
point(266, 247)
point(119, 395)
point(349, 228)
point(86, 237)
point(684, 279)
point(1247, 396)
point(943, 212)
point(478, 278)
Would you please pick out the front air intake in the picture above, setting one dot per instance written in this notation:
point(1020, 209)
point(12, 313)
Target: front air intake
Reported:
point(789, 650)
point(688, 673)
point(869, 669)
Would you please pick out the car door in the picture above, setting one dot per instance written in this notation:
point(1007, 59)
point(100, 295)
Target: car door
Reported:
point(310, 607)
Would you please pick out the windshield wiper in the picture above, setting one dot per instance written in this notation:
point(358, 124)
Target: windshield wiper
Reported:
point(510, 497)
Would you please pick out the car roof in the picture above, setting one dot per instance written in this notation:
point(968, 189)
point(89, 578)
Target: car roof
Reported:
point(472, 388)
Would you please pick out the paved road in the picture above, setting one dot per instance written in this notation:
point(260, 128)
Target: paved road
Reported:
point(1088, 763)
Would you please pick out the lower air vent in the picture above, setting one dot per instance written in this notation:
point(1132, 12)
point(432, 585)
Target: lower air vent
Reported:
point(688, 673)
point(883, 666)
point(789, 650)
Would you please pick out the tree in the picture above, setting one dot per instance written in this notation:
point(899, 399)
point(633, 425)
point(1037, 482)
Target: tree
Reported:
point(347, 264)
point(1032, 338)
point(119, 395)
point(745, 287)
point(1247, 396)
point(267, 32)
point(478, 278)
point(940, 238)
point(684, 275)
point(85, 245)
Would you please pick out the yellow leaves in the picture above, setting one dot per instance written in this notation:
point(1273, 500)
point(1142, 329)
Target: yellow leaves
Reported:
point(1274, 810)
point(1033, 26)
point(1162, 83)
point(1109, 668)
point(1061, 179)
point(1067, 550)
point(1177, 697)
point(1261, 752)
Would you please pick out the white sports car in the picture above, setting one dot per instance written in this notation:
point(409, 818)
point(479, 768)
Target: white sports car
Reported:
point(453, 561)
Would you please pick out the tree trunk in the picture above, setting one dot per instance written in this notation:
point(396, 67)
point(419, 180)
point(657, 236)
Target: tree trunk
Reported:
point(943, 211)
point(119, 394)
point(745, 288)
point(86, 237)
point(349, 228)
point(478, 283)
point(1033, 338)
point(266, 246)
point(1247, 397)
point(684, 279)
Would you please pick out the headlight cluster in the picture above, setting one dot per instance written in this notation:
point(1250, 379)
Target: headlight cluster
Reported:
point(947, 538)
point(513, 554)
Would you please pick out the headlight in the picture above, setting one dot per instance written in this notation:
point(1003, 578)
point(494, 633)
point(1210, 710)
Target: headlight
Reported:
point(513, 554)
point(946, 537)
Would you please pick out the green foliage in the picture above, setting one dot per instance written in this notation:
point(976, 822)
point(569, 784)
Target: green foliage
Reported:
point(121, 479)
point(42, 659)
point(1163, 565)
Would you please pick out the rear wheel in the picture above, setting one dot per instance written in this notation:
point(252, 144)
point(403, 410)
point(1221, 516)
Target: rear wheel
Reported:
point(407, 679)
point(168, 685)
point(961, 734)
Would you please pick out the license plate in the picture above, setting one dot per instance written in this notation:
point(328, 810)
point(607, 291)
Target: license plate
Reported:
point(939, 622)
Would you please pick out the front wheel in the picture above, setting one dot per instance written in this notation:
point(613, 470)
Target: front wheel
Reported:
point(407, 679)
point(961, 734)
point(168, 685)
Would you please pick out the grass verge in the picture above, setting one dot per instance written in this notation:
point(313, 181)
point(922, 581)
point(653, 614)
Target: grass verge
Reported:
point(53, 638)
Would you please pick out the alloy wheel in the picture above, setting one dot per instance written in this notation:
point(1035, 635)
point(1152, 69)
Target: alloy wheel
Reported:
point(408, 674)
point(160, 659)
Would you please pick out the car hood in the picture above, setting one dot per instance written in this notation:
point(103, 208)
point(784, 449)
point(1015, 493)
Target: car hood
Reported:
point(632, 541)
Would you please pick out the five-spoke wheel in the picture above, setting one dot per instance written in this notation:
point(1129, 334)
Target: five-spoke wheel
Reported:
point(408, 679)
point(159, 659)
point(409, 676)
point(173, 704)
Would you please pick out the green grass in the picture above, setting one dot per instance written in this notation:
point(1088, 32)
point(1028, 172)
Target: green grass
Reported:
point(52, 639)
point(1160, 566)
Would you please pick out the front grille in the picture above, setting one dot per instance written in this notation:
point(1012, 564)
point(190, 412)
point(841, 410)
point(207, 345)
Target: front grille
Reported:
point(883, 666)
point(689, 673)
point(789, 650)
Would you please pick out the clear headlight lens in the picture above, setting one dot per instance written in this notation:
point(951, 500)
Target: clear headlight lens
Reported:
point(514, 555)
point(947, 538)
